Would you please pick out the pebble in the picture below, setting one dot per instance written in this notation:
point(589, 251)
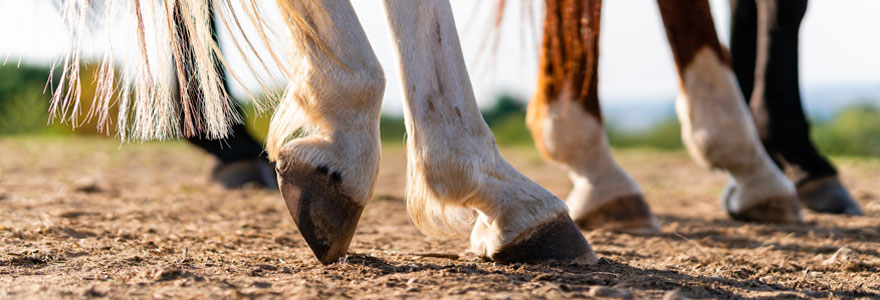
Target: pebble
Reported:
point(608, 292)
point(842, 255)
point(674, 295)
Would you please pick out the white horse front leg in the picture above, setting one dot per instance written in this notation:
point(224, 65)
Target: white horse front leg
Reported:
point(454, 165)
point(327, 177)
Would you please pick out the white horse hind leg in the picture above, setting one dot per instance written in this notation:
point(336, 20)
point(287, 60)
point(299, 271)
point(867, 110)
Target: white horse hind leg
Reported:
point(721, 134)
point(716, 126)
point(327, 177)
point(565, 122)
point(453, 161)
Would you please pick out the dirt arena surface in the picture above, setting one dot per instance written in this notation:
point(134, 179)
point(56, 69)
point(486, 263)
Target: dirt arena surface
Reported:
point(81, 218)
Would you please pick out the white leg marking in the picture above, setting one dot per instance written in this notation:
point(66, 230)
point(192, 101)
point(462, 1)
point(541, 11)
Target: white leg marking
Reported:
point(575, 140)
point(719, 132)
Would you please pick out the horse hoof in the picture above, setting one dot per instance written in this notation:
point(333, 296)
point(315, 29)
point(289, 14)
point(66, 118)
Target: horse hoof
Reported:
point(828, 195)
point(237, 174)
point(557, 240)
point(325, 215)
point(776, 210)
point(628, 214)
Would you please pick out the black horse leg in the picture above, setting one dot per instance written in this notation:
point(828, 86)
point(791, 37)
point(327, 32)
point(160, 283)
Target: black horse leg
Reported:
point(240, 158)
point(764, 51)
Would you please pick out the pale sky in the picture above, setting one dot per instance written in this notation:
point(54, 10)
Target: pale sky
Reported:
point(839, 45)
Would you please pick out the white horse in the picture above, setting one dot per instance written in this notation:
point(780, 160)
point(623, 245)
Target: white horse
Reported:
point(457, 180)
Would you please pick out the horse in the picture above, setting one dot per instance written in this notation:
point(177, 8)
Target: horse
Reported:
point(324, 136)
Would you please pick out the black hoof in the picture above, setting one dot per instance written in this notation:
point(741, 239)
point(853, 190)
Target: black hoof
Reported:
point(325, 215)
point(775, 210)
point(629, 214)
point(237, 174)
point(828, 195)
point(557, 240)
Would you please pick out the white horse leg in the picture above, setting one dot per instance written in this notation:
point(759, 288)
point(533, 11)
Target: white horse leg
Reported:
point(717, 128)
point(327, 177)
point(565, 121)
point(453, 161)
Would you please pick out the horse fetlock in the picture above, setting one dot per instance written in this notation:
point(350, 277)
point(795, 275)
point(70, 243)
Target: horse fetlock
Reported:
point(452, 179)
point(341, 105)
point(358, 88)
point(510, 208)
point(515, 214)
point(571, 137)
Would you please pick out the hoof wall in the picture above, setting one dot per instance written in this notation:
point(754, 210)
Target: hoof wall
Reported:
point(325, 215)
point(629, 214)
point(557, 240)
point(828, 195)
point(776, 210)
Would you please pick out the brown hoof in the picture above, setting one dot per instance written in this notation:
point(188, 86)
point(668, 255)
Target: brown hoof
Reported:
point(557, 240)
point(778, 210)
point(325, 215)
point(629, 214)
point(828, 195)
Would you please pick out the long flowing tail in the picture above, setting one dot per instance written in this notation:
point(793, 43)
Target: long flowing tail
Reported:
point(175, 54)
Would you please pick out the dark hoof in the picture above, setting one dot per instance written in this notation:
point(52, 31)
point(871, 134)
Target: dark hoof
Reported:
point(828, 195)
point(237, 174)
point(325, 215)
point(776, 210)
point(557, 240)
point(629, 214)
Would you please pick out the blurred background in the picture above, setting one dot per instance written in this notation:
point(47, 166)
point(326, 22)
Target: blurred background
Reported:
point(840, 71)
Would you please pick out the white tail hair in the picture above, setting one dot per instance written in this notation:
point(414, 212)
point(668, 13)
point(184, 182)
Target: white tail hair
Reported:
point(173, 39)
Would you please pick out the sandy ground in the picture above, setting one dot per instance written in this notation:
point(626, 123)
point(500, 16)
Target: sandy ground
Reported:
point(81, 218)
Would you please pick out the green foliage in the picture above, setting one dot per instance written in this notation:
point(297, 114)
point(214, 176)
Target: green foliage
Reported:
point(507, 119)
point(23, 112)
point(854, 131)
point(23, 107)
point(664, 135)
point(392, 129)
point(511, 130)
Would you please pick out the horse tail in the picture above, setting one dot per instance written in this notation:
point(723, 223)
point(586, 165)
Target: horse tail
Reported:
point(173, 83)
